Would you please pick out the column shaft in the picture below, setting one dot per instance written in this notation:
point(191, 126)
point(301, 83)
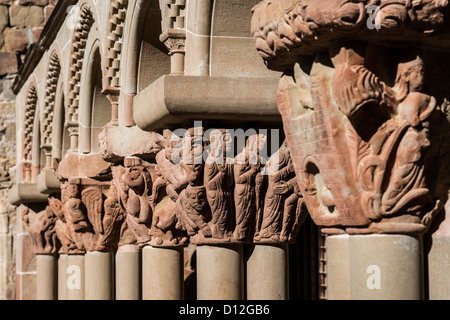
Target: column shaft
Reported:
point(128, 273)
point(46, 267)
point(220, 272)
point(75, 277)
point(99, 279)
point(267, 272)
point(375, 267)
point(62, 276)
point(162, 273)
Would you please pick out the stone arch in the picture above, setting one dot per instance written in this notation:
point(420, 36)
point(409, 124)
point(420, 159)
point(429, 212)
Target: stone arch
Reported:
point(47, 125)
point(114, 42)
point(80, 37)
point(145, 57)
point(28, 130)
point(95, 108)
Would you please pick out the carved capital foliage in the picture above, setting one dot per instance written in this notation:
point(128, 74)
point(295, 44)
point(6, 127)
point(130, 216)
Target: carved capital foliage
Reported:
point(192, 193)
point(365, 118)
point(173, 25)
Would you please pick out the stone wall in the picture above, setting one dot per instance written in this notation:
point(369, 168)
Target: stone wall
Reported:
point(21, 22)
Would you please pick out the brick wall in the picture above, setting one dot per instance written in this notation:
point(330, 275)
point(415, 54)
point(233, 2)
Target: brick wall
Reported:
point(21, 22)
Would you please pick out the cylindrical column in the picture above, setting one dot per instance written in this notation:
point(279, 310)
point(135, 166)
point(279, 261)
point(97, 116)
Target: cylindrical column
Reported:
point(75, 277)
point(177, 63)
point(62, 276)
point(220, 272)
point(198, 25)
point(374, 267)
point(439, 258)
point(128, 273)
point(99, 276)
point(46, 267)
point(162, 273)
point(267, 272)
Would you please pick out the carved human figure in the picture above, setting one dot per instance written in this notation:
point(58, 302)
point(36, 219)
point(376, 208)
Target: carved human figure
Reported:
point(246, 168)
point(41, 228)
point(171, 175)
point(193, 212)
point(218, 183)
point(133, 188)
point(407, 180)
point(61, 227)
point(294, 213)
point(279, 207)
point(75, 215)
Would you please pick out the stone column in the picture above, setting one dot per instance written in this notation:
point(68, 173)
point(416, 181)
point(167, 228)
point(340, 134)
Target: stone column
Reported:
point(162, 273)
point(128, 273)
point(220, 272)
point(46, 267)
point(267, 275)
point(62, 276)
point(99, 276)
point(75, 277)
point(375, 267)
point(439, 259)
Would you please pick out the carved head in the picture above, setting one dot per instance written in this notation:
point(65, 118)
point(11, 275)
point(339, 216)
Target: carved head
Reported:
point(193, 146)
point(410, 73)
point(172, 145)
point(196, 197)
point(221, 143)
point(72, 190)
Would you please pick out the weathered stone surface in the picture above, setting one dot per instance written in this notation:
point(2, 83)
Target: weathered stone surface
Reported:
point(26, 16)
point(83, 166)
point(357, 116)
point(117, 143)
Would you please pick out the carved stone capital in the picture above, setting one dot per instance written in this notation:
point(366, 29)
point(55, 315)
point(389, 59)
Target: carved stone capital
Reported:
point(41, 228)
point(193, 193)
point(365, 121)
point(175, 40)
point(92, 216)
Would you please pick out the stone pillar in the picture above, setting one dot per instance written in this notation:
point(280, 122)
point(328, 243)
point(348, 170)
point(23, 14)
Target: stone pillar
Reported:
point(220, 272)
point(75, 277)
point(62, 276)
point(375, 267)
point(99, 276)
point(162, 273)
point(439, 260)
point(128, 273)
point(46, 267)
point(267, 272)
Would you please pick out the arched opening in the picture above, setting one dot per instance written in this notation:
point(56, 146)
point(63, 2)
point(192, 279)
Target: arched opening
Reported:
point(146, 57)
point(61, 140)
point(95, 111)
